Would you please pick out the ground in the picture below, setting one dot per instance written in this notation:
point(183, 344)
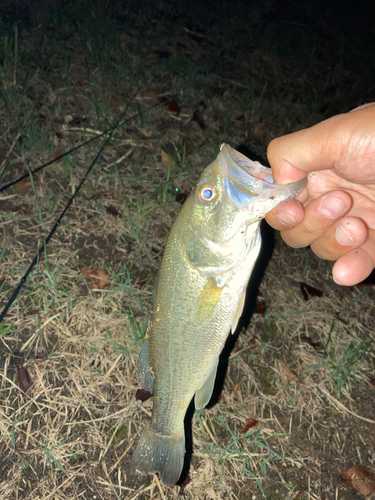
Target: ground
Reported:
point(179, 79)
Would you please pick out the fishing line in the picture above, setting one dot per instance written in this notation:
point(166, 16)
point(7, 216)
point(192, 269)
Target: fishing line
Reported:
point(119, 124)
point(112, 132)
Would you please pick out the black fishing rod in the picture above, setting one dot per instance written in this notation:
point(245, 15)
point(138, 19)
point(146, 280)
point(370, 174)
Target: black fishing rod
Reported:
point(43, 247)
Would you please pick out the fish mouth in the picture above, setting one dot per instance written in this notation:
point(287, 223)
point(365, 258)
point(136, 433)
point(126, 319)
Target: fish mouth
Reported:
point(247, 181)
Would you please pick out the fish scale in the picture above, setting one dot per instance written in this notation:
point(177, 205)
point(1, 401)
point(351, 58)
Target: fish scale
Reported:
point(207, 263)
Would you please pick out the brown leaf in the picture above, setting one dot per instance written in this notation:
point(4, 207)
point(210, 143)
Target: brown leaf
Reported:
point(81, 82)
point(56, 154)
point(32, 312)
point(138, 282)
point(165, 158)
point(250, 423)
point(2, 279)
point(143, 395)
point(185, 482)
point(97, 196)
point(113, 211)
point(123, 46)
point(102, 280)
point(114, 102)
point(88, 273)
point(59, 135)
point(259, 131)
point(91, 65)
point(360, 478)
point(289, 373)
point(198, 117)
point(173, 107)
point(25, 185)
point(19, 210)
point(24, 380)
point(233, 394)
point(308, 290)
point(39, 355)
point(318, 346)
point(253, 340)
point(260, 307)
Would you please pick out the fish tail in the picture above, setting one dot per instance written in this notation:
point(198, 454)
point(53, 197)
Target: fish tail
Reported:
point(161, 454)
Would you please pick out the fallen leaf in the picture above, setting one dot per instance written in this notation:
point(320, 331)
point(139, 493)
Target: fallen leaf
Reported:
point(253, 340)
point(2, 279)
point(143, 395)
point(173, 107)
point(25, 185)
point(360, 478)
point(233, 394)
point(39, 355)
point(113, 211)
point(97, 196)
point(165, 158)
point(260, 307)
point(19, 210)
point(123, 46)
point(23, 378)
point(59, 135)
point(102, 280)
point(318, 346)
point(289, 373)
point(32, 312)
point(56, 154)
point(198, 117)
point(308, 290)
point(250, 423)
point(114, 102)
point(185, 482)
point(143, 137)
point(138, 282)
point(91, 65)
point(81, 82)
point(259, 131)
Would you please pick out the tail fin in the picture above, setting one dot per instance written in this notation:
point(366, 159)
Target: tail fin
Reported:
point(161, 454)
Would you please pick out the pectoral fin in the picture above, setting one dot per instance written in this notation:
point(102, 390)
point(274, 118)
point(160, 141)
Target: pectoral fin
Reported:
point(208, 301)
point(144, 374)
point(204, 393)
point(238, 312)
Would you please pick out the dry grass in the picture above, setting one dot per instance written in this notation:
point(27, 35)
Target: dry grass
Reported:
point(72, 433)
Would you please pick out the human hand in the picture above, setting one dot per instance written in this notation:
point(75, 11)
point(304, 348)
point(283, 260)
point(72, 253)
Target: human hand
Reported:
point(335, 213)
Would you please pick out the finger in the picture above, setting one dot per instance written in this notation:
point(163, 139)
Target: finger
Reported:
point(285, 215)
point(355, 266)
point(343, 236)
point(320, 214)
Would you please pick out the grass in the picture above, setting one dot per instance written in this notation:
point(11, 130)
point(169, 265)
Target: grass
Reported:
point(67, 75)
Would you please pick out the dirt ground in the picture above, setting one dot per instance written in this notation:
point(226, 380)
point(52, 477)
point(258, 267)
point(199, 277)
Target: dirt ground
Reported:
point(293, 406)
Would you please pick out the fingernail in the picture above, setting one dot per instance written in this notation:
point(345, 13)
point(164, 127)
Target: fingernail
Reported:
point(332, 207)
point(335, 280)
point(286, 218)
point(344, 237)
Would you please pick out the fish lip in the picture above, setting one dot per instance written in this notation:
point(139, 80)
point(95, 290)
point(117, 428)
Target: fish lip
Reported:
point(251, 177)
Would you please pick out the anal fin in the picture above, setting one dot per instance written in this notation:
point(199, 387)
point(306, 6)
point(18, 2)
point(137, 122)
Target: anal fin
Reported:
point(204, 393)
point(238, 312)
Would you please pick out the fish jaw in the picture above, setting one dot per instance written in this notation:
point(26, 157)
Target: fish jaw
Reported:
point(249, 186)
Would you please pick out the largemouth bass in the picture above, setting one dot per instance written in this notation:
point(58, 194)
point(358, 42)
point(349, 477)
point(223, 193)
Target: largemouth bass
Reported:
point(199, 298)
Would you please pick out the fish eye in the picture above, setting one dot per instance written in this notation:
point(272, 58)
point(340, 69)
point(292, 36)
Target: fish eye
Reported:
point(207, 192)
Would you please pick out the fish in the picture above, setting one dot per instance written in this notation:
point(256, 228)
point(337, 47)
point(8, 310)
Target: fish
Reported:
point(199, 297)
